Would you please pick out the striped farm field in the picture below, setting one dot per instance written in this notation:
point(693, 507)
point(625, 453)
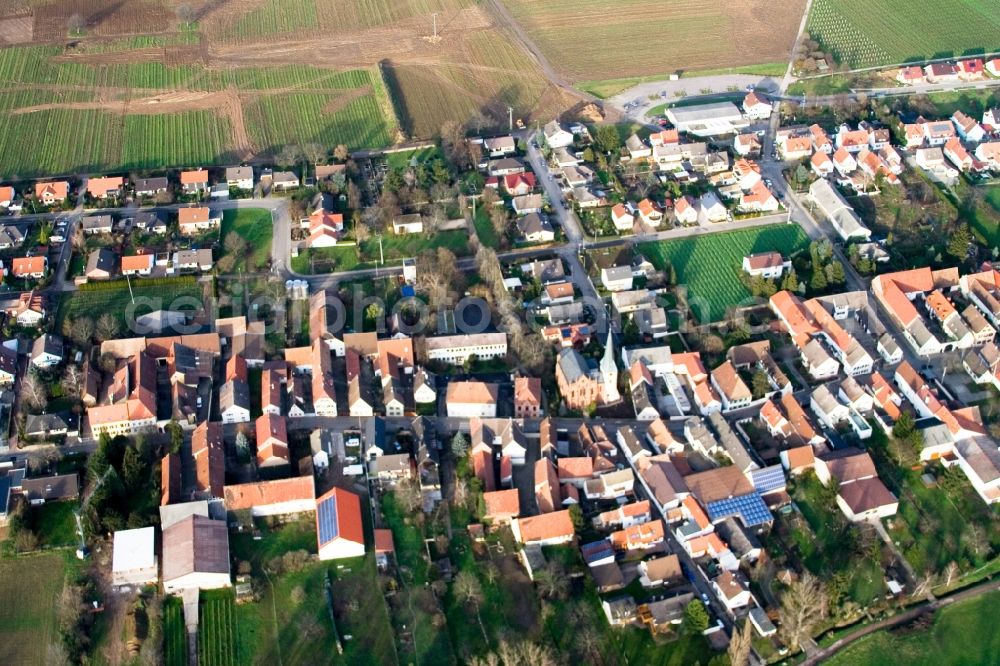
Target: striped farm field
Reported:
point(75, 112)
point(217, 635)
point(489, 74)
point(175, 646)
point(592, 40)
point(866, 33)
point(277, 18)
point(710, 265)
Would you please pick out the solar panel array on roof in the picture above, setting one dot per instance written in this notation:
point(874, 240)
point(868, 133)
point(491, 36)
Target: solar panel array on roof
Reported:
point(596, 551)
point(768, 479)
point(326, 515)
point(749, 508)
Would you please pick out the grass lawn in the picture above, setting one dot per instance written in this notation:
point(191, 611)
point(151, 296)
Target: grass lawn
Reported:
point(822, 85)
point(256, 227)
point(985, 220)
point(415, 606)
point(158, 294)
point(29, 597)
point(396, 248)
point(54, 524)
point(484, 229)
point(409, 158)
point(710, 265)
point(292, 615)
point(962, 633)
point(829, 547)
point(327, 260)
point(175, 649)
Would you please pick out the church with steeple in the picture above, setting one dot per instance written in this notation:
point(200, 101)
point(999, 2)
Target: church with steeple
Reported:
point(584, 383)
point(609, 373)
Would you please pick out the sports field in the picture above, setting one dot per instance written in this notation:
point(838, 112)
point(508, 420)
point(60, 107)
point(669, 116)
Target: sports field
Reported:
point(865, 33)
point(591, 40)
point(709, 266)
point(29, 598)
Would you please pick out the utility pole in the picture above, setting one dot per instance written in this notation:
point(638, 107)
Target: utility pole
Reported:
point(435, 17)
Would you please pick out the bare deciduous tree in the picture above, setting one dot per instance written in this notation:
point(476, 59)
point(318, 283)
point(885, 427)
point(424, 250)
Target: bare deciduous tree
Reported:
point(803, 606)
point(740, 644)
point(34, 392)
point(72, 380)
point(107, 327)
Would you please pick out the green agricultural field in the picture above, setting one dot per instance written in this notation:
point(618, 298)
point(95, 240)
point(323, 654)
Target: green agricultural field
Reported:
point(963, 633)
point(217, 633)
point(114, 297)
point(175, 645)
point(101, 111)
point(29, 597)
point(709, 265)
point(256, 227)
point(866, 33)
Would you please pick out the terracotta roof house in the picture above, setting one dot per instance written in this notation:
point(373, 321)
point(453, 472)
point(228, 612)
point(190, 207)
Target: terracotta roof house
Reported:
point(194, 181)
point(548, 495)
point(339, 531)
point(52, 193)
point(33, 267)
point(196, 555)
point(471, 399)
point(170, 479)
point(501, 505)
point(193, 219)
point(208, 451)
point(138, 264)
point(101, 188)
point(548, 529)
point(272, 498)
point(527, 397)
point(272, 441)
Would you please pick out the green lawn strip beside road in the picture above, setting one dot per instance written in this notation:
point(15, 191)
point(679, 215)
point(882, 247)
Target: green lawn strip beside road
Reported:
point(256, 227)
point(710, 265)
point(961, 633)
point(29, 597)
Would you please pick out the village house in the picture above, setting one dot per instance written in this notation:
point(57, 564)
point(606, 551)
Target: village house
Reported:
point(527, 397)
point(52, 193)
point(194, 182)
point(339, 531)
point(768, 265)
point(467, 399)
point(622, 218)
point(102, 188)
point(240, 177)
point(191, 220)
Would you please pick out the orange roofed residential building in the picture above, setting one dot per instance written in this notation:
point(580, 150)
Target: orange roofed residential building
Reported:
point(194, 181)
point(548, 529)
point(272, 498)
point(527, 397)
point(30, 267)
point(102, 188)
point(52, 193)
point(170, 479)
point(194, 219)
point(272, 441)
point(339, 528)
point(208, 451)
point(324, 228)
point(643, 535)
point(501, 506)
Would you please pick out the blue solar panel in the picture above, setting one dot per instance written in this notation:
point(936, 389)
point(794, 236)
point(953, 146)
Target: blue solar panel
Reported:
point(768, 479)
point(598, 550)
point(749, 508)
point(326, 518)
